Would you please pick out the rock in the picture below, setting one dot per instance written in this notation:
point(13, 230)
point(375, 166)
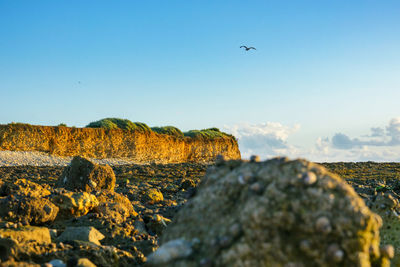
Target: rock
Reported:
point(170, 251)
point(8, 249)
point(74, 203)
point(83, 233)
point(35, 211)
point(83, 175)
point(300, 215)
point(140, 226)
point(152, 195)
point(28, 233)
point(24, 187)
point(57, 263)
point(115, 206)
point(255, 158)
point(157, 224)
point(388, 207)
point(84, 262)
point(187, 183)
point(12, 263)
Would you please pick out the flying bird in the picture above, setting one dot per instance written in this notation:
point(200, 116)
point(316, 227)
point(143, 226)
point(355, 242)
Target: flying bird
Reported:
point(247, 48)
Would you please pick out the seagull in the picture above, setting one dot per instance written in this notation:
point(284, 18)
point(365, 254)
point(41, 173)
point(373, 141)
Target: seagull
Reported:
point(247, 48)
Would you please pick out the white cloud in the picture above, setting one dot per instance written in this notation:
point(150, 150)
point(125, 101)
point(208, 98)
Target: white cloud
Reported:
point(270, 139)
point(378, 137)
point(377, 132)
point(393, 130)
point(267, 139)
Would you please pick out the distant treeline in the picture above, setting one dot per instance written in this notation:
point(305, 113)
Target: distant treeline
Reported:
point(117, 123)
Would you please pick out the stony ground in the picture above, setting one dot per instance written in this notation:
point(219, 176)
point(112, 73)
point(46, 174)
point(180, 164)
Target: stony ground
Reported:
point(156, 192)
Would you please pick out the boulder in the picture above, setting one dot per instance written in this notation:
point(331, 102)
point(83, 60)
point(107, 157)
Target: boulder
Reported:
point(24, 187)
point(12, 263)
point(74, 203)
point(115, 206)
point(28, 233)
point(84, 262)
point(57, 263)
point(387, 205)
point(8, 249)
point(152, 195)
point(33, 210)
point(274, 213)
point(84, 175)
point(82, 233)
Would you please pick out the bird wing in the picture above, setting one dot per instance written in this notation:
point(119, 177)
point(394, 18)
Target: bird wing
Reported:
point(252, 48)
point(243, 46)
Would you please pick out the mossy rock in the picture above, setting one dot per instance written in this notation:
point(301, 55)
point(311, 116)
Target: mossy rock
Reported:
point(152, 195)
point(388, 207)
point(74, 204)
point(273, 213)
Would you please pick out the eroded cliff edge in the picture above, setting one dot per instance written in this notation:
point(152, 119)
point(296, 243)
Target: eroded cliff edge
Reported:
point(142, 147)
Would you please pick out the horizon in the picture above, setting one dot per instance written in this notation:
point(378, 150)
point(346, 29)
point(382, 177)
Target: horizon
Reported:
point(323, 83)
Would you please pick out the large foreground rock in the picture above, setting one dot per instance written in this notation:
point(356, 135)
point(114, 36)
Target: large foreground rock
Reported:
point(273, 213)
point(83, 175)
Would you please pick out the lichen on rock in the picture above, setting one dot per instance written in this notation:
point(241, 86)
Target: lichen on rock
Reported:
point(115, 206)
point(35, 211)
point(74, 203)
point(388, 207)
point(276, 213)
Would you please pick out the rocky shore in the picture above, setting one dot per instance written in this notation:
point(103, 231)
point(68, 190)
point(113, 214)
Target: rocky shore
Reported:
point(123, 222)
point(121, 226)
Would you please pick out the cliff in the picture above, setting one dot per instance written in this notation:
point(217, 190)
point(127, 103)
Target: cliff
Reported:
point(139, 146)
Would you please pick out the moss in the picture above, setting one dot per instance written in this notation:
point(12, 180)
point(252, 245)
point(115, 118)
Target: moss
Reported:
point(170, 130)
point(117, 123)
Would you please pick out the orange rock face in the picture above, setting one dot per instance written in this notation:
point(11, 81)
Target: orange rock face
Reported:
point(142, 147)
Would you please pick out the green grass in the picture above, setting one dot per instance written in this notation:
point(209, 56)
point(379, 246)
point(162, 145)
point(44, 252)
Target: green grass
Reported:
point(116, 123)
point(210, 133)
point(170, 130)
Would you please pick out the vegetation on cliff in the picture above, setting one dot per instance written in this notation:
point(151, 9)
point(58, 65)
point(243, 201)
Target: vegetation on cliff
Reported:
point(171, 130)
point(117, 123)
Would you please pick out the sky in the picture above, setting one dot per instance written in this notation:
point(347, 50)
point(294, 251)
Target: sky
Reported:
point(323, 84)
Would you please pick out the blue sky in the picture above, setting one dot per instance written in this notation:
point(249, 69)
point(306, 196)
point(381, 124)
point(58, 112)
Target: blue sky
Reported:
point(321, 68)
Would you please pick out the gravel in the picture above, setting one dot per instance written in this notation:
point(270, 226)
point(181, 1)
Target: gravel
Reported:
point(34, 158)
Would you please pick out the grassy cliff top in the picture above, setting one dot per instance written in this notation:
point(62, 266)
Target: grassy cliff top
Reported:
point(124, 124)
